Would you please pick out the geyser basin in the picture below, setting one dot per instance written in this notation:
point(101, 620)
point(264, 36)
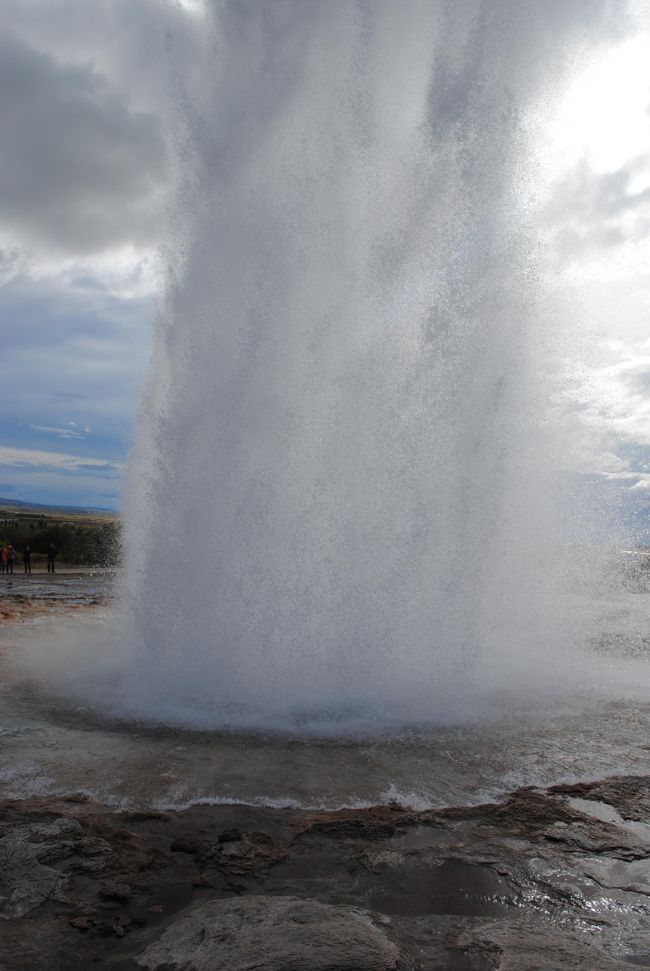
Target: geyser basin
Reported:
point(344, 500)
point(69, 723)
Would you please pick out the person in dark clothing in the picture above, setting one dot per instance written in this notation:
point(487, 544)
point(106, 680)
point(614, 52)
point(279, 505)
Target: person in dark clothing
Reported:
point(11, 556)
point(27, 559)
point(51, 557)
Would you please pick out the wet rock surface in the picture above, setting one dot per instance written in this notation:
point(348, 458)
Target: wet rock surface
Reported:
point(71, 590)
point(546, 879)
point(274, 933)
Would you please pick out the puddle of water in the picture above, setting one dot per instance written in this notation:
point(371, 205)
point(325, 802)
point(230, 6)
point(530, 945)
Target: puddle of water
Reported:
point(461, 889)
point(166, 901)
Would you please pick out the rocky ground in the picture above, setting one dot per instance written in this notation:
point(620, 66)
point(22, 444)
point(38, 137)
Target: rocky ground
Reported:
point(548, 879)
point(24, 597)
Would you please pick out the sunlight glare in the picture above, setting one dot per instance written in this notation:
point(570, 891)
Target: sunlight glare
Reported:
point(605, 115)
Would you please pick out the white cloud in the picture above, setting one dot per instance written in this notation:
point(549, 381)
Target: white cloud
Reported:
point(24, 458)
point(594, 210)
point(596, 231)
point(61, 432)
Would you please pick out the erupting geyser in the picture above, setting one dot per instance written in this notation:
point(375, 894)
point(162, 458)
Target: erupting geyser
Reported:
point(343, 499)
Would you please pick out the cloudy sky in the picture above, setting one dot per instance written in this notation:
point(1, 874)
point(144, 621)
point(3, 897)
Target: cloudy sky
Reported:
point(85, 173)
point(599, 221)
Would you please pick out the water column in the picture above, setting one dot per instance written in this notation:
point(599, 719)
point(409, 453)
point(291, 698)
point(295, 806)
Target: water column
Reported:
point(344, 462)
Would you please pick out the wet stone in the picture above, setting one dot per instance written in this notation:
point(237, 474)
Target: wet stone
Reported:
point(226, 887)
point(242, 853)
point(273, 934)
point(450, 887)
point(25, 855)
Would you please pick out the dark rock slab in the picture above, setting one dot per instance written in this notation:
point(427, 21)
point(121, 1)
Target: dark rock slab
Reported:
point(518, 944)
point(273, 934)
point(25, 854)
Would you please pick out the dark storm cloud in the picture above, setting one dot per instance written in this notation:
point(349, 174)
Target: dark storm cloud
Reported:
point(80, 170)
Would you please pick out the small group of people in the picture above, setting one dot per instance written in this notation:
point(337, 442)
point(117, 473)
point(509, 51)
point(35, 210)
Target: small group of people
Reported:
point(8, 558)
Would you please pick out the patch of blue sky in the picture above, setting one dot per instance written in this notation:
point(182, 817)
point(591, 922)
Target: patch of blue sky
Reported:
point(77, 360)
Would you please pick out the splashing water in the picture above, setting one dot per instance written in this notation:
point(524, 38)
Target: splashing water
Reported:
point(344, 502)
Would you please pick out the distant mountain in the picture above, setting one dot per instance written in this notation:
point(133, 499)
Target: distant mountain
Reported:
point(44, 507)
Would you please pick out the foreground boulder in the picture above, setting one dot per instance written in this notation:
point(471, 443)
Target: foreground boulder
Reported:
point(273, 934)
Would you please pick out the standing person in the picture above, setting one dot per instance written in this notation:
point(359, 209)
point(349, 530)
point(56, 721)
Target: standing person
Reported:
point(27, 559)
point(11, 556)
point(51, 557)
point(3, 559)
